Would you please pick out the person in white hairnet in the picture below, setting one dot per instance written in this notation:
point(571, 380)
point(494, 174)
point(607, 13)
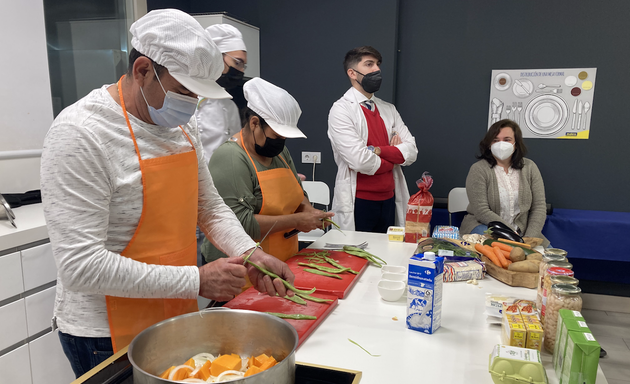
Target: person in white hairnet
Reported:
point(124, 183)
point(218, 119)
point(255, 175)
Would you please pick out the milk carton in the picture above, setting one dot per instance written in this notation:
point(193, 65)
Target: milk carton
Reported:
point(424, 295)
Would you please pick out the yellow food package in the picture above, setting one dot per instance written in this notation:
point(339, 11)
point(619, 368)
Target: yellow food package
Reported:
point(396, 233)
point(513, 331)
point(534, 336)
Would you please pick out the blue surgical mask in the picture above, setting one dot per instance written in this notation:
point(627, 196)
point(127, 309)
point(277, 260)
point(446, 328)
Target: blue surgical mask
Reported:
point(176, 110)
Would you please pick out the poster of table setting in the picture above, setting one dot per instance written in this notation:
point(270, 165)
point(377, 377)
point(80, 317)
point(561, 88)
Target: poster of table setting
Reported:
point(545, 103)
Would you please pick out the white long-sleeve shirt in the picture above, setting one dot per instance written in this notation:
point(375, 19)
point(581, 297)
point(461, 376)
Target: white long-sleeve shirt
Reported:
point(217, 120)
point(92, 196)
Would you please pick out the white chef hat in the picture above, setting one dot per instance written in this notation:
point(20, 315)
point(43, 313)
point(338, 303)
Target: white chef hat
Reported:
point(226, 37)
point(175, 40)
point(279, 109)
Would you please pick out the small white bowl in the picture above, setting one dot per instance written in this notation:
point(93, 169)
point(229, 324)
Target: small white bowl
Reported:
point(393, 269)
point(391, 290)
point(394, 276)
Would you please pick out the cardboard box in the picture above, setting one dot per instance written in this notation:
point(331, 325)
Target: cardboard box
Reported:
point(396, 233)
point(424, 294)
point(462, 271)
point(534, 334)
point(513, 331)
point(567, 321)
point(580, 359)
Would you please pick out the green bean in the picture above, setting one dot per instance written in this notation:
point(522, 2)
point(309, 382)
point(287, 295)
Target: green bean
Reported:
point(363, 254)
point(293, 316)
point(322, 273)
point(296, 299)
point(324, 269)
point(313, 298)
point(334, 263)
point(286, 283)
point(329, 220)
point(357, 344)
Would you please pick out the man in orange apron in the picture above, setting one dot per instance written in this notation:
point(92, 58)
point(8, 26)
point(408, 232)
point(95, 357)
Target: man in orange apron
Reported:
point(254, 173)
point(123, 191)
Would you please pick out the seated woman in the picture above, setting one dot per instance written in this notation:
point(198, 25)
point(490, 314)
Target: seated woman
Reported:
point(504, 185)
point(255, 175)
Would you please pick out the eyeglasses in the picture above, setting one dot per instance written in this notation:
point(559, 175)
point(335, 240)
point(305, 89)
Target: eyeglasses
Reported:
point(238, 62)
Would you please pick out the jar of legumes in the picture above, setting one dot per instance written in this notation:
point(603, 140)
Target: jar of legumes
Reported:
point(563, 296)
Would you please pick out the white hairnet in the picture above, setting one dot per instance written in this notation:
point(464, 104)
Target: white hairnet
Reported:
point(176, 40)
point(227, 37)
point(279, 109)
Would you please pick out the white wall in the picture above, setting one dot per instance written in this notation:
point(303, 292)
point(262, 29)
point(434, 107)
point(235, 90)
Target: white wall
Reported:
point(25, 100)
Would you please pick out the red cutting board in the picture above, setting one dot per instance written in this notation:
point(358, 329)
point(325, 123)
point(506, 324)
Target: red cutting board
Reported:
point(253, 300)
point(339, 288)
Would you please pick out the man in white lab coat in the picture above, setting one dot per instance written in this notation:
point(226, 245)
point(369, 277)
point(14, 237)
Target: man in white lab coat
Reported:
point(219, 119)
point(370, 143)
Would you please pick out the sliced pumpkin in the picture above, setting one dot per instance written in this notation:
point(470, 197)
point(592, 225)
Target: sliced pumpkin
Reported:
point(268, 364)
point(166, 373)
point(260, 359)
point(252, 371)
point(204, 371)
point(225, 363)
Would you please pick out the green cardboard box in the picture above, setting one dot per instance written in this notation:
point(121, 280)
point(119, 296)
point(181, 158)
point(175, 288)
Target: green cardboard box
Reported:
point(580, 359)
point(567, 321)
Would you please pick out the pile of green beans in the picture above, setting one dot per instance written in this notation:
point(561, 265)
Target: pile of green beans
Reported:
point(299, 292)
point(355, 251)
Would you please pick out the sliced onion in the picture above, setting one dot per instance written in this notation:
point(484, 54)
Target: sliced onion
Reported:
point(201, 358)
point(192, 380)
point(238, 374)
point(193, 373)
point(172, 374)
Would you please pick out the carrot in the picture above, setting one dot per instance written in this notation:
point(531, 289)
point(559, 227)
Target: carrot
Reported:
point(505, 253)
point(497, 251)
point(515, 243)
point(503, 246)
point(484, 251)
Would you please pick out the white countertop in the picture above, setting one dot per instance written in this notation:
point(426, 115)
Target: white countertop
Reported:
point(31, 227)
point(457, 353)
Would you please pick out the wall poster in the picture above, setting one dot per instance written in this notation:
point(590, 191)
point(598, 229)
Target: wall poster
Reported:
point(546, 103)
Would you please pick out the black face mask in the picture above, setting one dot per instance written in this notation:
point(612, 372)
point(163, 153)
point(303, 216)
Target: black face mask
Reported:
point(271, 148)
point(232, 79)
point(371, 82)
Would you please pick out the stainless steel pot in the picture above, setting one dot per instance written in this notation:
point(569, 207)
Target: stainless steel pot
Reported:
point(217, 331)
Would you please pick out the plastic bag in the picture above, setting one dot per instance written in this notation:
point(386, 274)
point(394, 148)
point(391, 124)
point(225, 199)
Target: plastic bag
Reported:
point(419, 211)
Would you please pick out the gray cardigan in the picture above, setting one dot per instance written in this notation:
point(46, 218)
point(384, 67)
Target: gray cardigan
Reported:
point(485, 206)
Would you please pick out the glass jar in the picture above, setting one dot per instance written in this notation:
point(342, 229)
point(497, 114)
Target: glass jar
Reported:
point(559, 279)
point(551, 271)
point(562, 296)
point(555, 252)
point(542, 267)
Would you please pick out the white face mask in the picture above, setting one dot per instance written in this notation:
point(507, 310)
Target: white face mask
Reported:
point(502, 150)
point(176, 110)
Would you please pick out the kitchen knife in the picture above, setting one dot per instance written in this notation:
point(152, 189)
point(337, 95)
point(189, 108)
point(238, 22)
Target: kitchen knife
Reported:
point(587, 106)
point(574, 110)
point(579, 124)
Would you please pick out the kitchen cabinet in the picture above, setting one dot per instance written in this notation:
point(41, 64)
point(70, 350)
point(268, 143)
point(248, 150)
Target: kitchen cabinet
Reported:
point(12, 323)
point(30, 352)
point(48, 362)
point(11, 283)
point(15, 366)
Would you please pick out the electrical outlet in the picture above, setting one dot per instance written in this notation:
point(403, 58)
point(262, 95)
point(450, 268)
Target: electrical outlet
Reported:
point(311, 157)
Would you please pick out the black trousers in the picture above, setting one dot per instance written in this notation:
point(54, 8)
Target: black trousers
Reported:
point(374, 216)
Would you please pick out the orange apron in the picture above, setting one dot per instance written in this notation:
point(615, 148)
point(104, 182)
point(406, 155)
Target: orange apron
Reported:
point(281, 195)
point(165, 235)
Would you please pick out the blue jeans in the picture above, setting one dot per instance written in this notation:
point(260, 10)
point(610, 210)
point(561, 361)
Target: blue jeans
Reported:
point(85, 353)
point(480, 229)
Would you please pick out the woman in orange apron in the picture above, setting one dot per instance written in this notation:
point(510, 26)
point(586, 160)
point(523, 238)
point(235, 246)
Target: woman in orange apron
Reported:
point(254, 173)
